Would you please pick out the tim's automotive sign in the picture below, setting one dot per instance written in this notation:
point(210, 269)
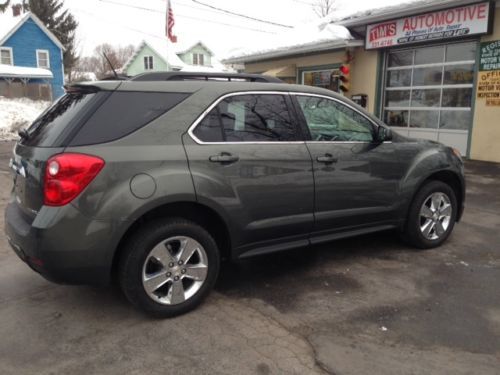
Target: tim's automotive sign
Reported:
point(444, 24)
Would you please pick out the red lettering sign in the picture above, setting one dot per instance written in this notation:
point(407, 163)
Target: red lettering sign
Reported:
point(382, 31)
point(443, 24)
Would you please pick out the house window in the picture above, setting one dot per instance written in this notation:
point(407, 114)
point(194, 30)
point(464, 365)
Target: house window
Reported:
point(148, 62)
point(198, 59)
point(6, 56)
point(42, 58)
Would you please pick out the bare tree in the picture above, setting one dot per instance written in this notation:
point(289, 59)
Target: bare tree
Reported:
point(98, 64)
point(322, 8)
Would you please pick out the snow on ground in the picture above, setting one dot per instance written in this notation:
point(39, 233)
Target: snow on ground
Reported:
point(18, 113)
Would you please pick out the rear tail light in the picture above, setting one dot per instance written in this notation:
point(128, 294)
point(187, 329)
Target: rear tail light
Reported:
point(66, 175)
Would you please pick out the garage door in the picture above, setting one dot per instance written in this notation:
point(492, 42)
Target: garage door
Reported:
point(428, 92)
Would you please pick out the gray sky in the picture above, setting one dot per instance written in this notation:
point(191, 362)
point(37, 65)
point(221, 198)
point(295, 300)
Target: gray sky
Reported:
point(108, 21)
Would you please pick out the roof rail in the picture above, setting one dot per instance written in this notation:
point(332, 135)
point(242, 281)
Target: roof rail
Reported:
point(200, 76)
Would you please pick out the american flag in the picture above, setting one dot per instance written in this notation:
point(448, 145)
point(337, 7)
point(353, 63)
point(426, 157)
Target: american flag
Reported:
point(170, 24)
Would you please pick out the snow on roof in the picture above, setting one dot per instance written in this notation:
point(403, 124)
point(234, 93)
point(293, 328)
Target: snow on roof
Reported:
point(9, 25)
point(23, 72)
point(167, 51)
point(9, 22)
point(314, 36)
point(348, 16)
point(185, 47)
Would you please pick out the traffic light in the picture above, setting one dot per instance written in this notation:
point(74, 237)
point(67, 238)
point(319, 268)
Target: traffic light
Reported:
point(344, 78)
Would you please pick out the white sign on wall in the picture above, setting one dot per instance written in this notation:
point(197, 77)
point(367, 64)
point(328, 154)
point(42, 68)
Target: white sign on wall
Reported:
point(444, 24)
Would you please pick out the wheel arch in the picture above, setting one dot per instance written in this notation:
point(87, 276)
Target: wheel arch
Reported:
point(450, 178)
point(200, 214)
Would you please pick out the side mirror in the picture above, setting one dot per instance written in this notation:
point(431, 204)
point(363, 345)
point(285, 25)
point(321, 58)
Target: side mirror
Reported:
point(384, 134)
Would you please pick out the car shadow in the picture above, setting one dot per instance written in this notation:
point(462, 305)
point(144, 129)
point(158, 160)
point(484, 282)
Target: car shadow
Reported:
point(314, 264)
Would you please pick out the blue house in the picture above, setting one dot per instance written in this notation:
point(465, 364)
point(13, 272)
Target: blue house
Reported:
point(31, 58)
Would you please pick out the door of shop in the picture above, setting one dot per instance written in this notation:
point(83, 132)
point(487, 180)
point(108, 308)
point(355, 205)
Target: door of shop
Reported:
point(427, 92)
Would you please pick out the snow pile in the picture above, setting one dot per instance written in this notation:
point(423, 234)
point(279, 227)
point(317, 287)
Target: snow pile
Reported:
point(349, 10)
point(18, 113)
point(308, 34)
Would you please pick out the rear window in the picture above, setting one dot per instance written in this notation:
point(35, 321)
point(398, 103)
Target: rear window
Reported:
point(123, 113)
point(49, 128)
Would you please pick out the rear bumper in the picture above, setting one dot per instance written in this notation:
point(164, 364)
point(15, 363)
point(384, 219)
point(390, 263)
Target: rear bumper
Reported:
point(61, 244)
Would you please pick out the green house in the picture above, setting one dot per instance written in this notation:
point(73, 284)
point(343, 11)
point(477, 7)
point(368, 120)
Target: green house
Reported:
point(158, 55)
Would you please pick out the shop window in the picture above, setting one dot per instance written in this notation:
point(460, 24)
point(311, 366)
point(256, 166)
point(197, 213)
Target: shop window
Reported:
point(430, 87)
point(327, 78)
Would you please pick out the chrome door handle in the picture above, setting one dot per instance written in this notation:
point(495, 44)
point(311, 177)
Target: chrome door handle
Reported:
point(224, 158)
point(327, 159)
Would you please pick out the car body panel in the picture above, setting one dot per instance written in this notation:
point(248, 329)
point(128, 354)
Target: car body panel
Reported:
point(267, 194)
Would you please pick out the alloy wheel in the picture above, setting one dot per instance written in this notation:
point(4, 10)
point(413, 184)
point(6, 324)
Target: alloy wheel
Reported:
point(174, 270)
point(435, 216)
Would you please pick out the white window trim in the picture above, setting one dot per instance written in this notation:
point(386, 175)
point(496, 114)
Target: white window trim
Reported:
point(38, 58)
point(146, 59)
point(11, 53)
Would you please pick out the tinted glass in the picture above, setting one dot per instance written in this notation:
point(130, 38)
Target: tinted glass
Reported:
point(400, 58)
point(210, 130)
point(396, 118)
point(397, 98)
point(424, 119)
point(427, 76)
point(329, 120)
point(254, 118)
point(47, 130)
point(123, 113)
point(461, 52)
point(455, 120)
point(458, 74)
point(457, 97)
point(399, 78)
point(429, 55)
point(425, 98)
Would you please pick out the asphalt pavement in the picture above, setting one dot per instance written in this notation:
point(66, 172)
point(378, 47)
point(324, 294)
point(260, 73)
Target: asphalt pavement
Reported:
point(368, 305)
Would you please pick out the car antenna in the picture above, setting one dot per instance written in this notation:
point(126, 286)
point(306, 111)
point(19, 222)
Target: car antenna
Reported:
point(111, 65)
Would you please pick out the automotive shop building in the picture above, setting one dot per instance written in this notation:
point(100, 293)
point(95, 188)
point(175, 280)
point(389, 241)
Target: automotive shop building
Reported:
point(430, 69)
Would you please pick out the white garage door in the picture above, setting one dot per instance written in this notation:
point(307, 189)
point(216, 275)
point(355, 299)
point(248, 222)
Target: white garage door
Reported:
point(428, 92)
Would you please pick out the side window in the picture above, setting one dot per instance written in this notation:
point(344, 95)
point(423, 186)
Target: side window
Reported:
point(210, 130)
point(329, 120)
point(248, 118)
point(125, 112)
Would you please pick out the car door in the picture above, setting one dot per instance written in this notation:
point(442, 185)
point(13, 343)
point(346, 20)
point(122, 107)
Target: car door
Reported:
point(249, 163)
point(355, 183)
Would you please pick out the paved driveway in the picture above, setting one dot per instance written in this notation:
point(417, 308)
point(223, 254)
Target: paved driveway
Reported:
point(368, 305)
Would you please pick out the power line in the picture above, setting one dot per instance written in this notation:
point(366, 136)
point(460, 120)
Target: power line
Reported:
point(242, 15)
point(185, 16)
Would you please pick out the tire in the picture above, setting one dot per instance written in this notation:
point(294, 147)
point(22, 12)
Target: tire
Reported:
point(425, 227)
point(156, 265)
